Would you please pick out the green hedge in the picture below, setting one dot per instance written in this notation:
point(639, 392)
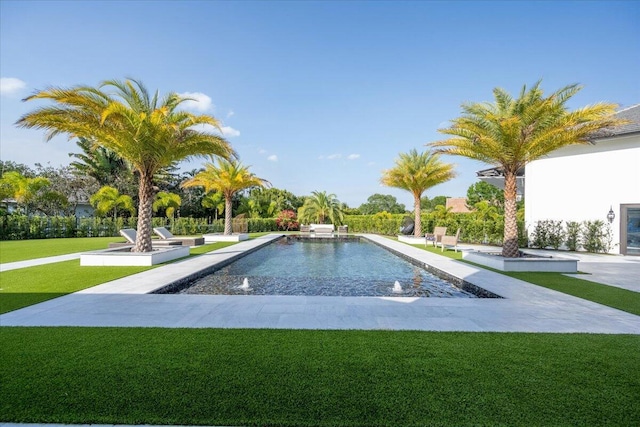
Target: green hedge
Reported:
point(20, 227)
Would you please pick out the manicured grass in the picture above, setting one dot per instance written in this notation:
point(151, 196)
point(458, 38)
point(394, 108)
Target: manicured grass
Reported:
point(20, 250)
point(317, 378)
point(27, 286)
point(611, 296)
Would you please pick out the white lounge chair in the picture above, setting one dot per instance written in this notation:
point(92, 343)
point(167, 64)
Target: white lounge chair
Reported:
point(184, 241)
point(130, 235)
point(322, 230)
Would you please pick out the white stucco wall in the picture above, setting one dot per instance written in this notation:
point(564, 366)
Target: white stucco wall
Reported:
point(582, 182)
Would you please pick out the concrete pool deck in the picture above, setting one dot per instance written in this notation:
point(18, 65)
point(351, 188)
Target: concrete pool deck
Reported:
point(524, 308)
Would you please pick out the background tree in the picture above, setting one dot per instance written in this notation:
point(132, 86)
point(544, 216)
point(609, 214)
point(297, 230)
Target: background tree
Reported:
point(382, 203)
point(148, 132)
point(483, 191)
point(416, 173)
point(167, 201)
point(75, 188)
point(320, 207)
point(429, 205)
point(215, 202)
point(227, 178)
point(100, 163)
point(510, 133)
point(26, 191)
point(108, 199)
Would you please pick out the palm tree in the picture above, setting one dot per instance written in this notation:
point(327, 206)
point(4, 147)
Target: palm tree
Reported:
point(108, 199)
point(228, 177)
point(321, 206)
point(167, 201)
point(214, 201)
point(98, 162)
point(509, 133)
point(417, 172)
point(148, 132)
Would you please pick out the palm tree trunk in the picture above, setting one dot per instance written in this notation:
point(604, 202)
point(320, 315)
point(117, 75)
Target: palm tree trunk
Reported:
point(145, 214)
point(417, 226)
point(228, 206)
point(510, 244)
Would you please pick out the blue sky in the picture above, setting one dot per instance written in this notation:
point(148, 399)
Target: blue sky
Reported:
point(317, 95)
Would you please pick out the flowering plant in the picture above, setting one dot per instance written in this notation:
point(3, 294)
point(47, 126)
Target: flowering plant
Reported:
point(287, 220)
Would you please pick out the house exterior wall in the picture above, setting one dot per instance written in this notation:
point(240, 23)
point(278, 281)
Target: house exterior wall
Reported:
point(582, 182)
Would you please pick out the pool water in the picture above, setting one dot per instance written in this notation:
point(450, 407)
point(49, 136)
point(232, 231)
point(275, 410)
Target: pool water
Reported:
point(329, 267)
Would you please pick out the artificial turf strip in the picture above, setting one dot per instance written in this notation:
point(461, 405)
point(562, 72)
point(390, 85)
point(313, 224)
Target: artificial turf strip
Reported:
point(317, 378)
point(611, 296)
point(27, 286)
point(20, 250)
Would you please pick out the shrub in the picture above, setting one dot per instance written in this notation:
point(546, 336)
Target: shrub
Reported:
point(596, 236)
point(573, 235)
point(548, 233)
point(287, 221)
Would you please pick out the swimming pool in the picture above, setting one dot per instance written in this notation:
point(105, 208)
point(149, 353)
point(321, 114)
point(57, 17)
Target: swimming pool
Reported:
point(324, 267)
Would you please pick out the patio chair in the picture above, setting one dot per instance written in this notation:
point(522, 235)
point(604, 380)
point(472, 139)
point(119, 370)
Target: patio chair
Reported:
point(435, 237)
point(184, 241)
point(343, 229)
point(450, 241)
point(305, 229)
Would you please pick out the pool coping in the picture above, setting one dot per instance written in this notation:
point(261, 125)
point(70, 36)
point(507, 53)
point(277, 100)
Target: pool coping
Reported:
point(524, 308)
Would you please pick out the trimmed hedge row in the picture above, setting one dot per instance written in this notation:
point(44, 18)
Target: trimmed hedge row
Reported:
point(20, 227)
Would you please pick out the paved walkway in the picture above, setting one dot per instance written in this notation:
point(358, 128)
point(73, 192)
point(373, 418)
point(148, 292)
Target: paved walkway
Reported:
point(8, 266)
point(523, 308)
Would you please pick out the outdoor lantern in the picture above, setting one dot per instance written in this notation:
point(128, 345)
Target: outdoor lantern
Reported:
point(611, 216)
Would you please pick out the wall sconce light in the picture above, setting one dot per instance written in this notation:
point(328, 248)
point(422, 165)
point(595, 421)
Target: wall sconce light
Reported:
point(611, 216)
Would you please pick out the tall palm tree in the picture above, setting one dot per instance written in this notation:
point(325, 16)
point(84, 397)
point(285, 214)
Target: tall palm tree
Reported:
point(321, 206)
point(510, 133)
point(416, 173)
point(148, 132)
point(228, 177)
point(108, 199)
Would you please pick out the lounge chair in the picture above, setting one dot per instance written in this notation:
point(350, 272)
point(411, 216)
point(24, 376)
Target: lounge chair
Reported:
point(450, 241)
point(343, 229)
point(322, 230)
point(184, 241)
point(435, 237)
point(130, 235)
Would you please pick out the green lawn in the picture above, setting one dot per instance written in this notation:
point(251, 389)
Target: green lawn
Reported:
point(27, 286)
point(317, 378)
point(20, 250)
point(611, 296)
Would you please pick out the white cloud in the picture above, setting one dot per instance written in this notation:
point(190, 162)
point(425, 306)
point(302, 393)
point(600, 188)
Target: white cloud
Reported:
point(262, 151)
point(230, 132)
point(230, 113)
point(11, 85)
point(226, 131)
point(272, 158)
point(198, 102)
point(353, 156)
point(371, 164)
point(334, 156)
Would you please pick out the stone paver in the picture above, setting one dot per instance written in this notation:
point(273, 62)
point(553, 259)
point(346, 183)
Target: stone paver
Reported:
point(523, 308)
